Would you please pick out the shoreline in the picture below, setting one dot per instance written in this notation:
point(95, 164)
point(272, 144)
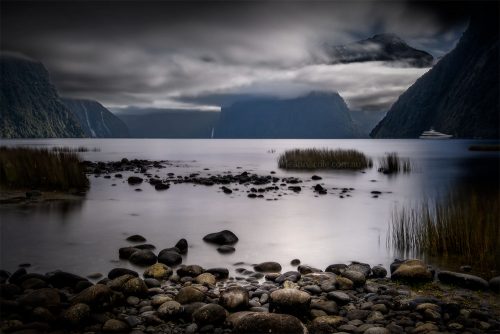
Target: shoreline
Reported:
point(355, 298)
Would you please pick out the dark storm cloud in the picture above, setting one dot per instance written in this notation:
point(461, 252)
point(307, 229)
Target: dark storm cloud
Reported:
point(176, 54)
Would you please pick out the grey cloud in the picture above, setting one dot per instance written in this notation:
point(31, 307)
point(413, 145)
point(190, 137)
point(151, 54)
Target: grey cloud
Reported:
point(176, 54)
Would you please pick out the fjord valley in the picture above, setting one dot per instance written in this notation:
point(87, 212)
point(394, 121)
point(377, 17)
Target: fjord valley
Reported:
point(249, 167)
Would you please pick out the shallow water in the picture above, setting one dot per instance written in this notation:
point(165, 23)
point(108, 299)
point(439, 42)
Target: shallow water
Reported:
point(84, 236)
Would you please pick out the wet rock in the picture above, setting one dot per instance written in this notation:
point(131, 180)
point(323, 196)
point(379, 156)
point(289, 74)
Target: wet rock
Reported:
point(357, 277)
point(224, 237)
point(33, 284)
point(295, 262)
point(379, 272)
point(135, 287)
point(343, 283)
point(158, 271)
point(494, 284)
point(117, 272)
point(162, 186)
point(226, 190)
point(316, 177)
point(358, 314)
point(327, 324)
point(257, 322)
point(170, 308)
point(76, 314)
point(133, 180)
point(117, 284)
point(292, 276)
point(143, 257)
point(226, 249)
point(463, 280)
point(206, 279)
point(336, 268)
point(212, 314)
point(182, 245)
point(412, 271)
point(15, 277)
point(268, 267)
point(170, 258)
point(47, 297)
point(61, 279)
point(219, 273)
point(189, 295)
point(136, 238)
point(234, 298)
point(126, 252)
point(115, 326)
point(97, 295)
point(377, 330)
point(304, 269)
point(363, 268)
point(340, 297)
point(191, 271)
point(290, 301)
point(328, 306)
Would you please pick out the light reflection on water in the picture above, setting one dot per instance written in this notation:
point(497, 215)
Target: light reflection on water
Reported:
point(84, 237)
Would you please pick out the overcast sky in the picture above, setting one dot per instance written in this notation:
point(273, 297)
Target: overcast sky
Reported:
point(198, 55)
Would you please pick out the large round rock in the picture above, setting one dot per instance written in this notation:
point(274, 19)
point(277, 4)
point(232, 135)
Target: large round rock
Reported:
point(290, 301)
point(98, 295)
point(158, 271)
point(412, 271)
point(211, 314)
point(169, 257)
point(46, 297)
point(135, 287)
point(76, 314)
point(463, 280)
point(192, 270)
point(224, 237)
point(268, 267)
point(357, 277)
point(256, 322)
point(234, 298)
point(170, 308)
point(188, 295)
point(143, 257)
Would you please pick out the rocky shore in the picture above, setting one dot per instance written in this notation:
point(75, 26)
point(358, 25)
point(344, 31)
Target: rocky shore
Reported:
point(260, 298)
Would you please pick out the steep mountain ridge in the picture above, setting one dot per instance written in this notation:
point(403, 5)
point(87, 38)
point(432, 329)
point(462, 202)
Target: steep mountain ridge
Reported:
point(95, 120)
point(316, 115)
point(459, 95)
point(30, 106)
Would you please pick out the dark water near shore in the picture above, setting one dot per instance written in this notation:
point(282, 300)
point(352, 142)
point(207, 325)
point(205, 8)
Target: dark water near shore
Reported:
point(84, 236)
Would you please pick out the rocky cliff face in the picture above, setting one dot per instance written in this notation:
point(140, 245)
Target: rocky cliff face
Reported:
point(459, 95)
point(381, 47)
point(95, 120)
point(29, 104)
point(317, 115)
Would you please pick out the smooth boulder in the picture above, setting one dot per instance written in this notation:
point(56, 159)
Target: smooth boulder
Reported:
point(412, 271)
point(463, 280)
point(268, 267)
point(224, 237)
point(257, 322)
point(290, 301)
point(234, 298)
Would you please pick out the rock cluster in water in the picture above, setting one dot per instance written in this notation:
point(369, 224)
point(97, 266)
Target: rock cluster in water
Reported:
point(252, 185)
point(355, 298)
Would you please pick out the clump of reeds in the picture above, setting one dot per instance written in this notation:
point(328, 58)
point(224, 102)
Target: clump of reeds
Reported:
point(313, 158)
point(79, 149)
point(392, 163)
point(23, 167)
point(463, 226)
point(485, 148)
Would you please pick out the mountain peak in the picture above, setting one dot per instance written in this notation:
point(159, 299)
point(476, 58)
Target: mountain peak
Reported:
point(387, 38)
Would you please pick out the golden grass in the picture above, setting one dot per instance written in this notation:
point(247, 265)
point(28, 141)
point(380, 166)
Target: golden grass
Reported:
point(464, 226)
point(314, 158)
point(23, 167)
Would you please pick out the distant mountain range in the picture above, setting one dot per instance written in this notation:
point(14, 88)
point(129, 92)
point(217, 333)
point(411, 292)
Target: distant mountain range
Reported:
point(459, 95)
point(316, 115)
point(168, 123)
point(381, 47)
point(95, 120)
point(30, 106)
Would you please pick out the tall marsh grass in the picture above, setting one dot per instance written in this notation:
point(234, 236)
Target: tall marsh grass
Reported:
point(23, 167)
point(313, 158)
point(463, 226)
point(79, 149)
point(392, 163)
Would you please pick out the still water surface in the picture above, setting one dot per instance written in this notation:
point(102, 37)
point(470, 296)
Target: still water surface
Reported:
point(84, 237)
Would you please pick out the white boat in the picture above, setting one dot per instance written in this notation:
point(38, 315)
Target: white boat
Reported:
point(433, 134)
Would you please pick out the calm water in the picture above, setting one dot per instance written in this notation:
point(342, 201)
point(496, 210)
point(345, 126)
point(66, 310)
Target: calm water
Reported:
point(84, 237)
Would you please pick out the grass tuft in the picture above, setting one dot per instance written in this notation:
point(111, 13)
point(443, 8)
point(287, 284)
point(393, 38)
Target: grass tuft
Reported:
point(23, 167)
point(462, 226)
point(79, 149)
point(392, 163)
point(313, 158)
